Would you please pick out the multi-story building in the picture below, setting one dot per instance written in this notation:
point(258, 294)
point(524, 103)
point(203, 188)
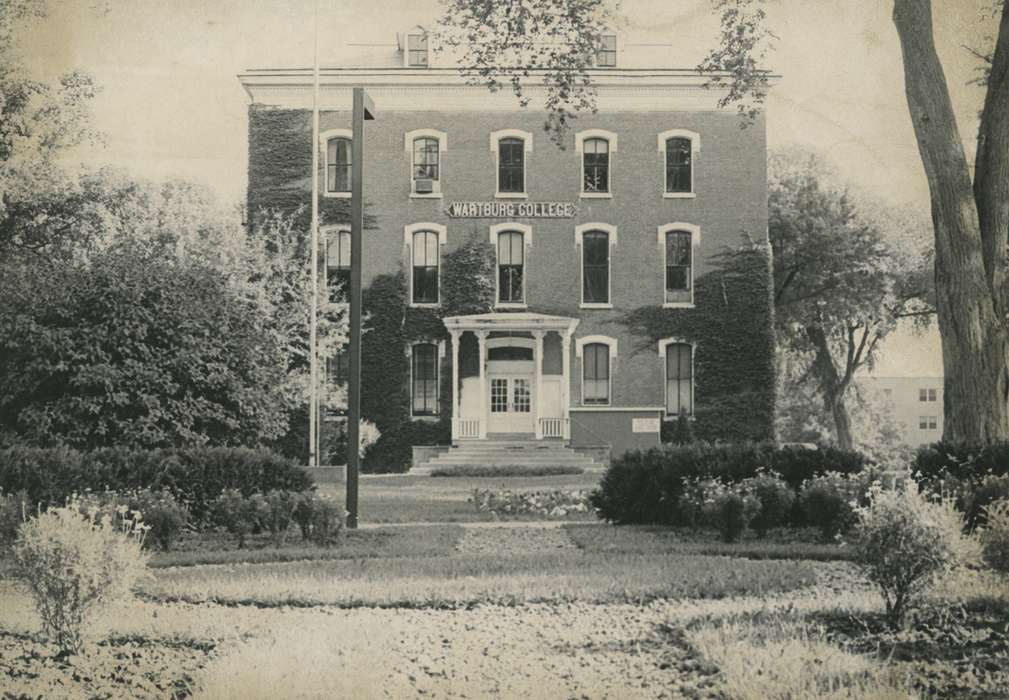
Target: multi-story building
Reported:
point(625, 279)
point(915, 404)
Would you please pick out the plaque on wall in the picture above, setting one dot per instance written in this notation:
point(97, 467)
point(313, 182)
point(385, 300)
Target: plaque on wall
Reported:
point(511, 210)
point(645, 425)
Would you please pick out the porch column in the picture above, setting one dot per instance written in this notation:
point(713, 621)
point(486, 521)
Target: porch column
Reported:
point(455, 384)
point(566, 382)
point(538, 382)
point(481, 339)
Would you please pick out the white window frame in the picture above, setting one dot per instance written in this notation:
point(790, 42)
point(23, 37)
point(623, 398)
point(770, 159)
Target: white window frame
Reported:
point(611, 138)
point(415, 31)
point(324, 139)
point(663, 344)
point(616, 52)
point(695, 149)
point(695, 240)
point(580, 232)
point(611, 344)
point(527, 243)
point(408, 138)
point(495, 139)
point(440, 357)
point(408, 231)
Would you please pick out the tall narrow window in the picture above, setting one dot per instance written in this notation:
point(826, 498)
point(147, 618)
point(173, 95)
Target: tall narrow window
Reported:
point(338, 163)
point(595, 267)
point(606, 56)
point(338, 366)
point(679, 379)
point(678, 272)
point(425, 159)
point(424, 379)
point(596, 165)
point(679, 171)
point(596, 374)
point(511, 165)
point(511, 267)
point(425, 267)
point(416, 50)
point(338, 265)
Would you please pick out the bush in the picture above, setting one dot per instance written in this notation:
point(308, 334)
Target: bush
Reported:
point(645, 487)
point(828, 503)
point(161, 513)
point(980, 494)
point(902, 540)
point(729, 510)
point(995, 536)
point(775, 500)
point(195, 477)
point(941, 460)
point(555, 503)
point(240, 515)
point(281, 505)
point(392, 452)
point(72, 560)
point(320, 519)
point(14, 510)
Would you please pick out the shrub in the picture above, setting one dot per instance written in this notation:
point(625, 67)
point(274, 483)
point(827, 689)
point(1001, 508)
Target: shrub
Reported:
point(14, 510)
point(281, 506)
point(828, 502)
point(392, 452)
point(902, 540)
point(729, 510)
point(690, 505)
point(240, 515)
point(161, 513)
point(320, 519)
point(683, 434)
point(940, 460)
point(555, 503)
point(775, 500)
point(995, 536)
point(978, 495)
point(72, 560)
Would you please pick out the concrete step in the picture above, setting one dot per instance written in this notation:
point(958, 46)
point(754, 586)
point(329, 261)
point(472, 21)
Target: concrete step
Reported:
point(509, 450)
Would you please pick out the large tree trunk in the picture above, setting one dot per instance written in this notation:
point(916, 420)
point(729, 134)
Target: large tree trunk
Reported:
point(974, 343)
point(832, 386)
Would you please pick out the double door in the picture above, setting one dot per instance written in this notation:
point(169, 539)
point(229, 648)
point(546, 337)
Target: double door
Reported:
point(511, 397)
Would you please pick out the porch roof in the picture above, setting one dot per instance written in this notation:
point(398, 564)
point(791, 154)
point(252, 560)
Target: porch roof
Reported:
point(523, 321)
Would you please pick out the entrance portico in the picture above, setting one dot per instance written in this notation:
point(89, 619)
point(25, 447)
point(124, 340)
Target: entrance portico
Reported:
point(521, 378)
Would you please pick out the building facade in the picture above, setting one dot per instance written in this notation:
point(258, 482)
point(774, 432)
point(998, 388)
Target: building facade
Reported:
point(914, 403)
point(590, 292)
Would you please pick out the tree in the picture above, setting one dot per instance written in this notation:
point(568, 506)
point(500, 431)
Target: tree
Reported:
point(970, 216)
point(839, 288)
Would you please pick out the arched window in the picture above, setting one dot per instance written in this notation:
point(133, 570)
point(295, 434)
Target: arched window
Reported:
point(679, 169)
point(679, 272)
point(595, 267)
point(424, 379)
point(425, 246)
point(596, 374)
point(679, 378)
point(596, 165)
point(425, 158)
point(338, 265)
point(511, 267)
point(338, 165)
point(511, 165)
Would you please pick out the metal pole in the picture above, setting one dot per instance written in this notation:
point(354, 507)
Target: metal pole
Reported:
point(313, 402)
point(354, 381)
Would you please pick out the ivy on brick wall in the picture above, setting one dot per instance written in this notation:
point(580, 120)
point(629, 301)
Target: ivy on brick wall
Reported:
point(467, 287)
point(732, 327)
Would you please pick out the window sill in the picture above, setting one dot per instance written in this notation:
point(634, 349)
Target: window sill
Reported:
point(668, 418)
point(596, 195)
point(511, 195)
point(419, 305)
point(337, 195)
point(678, 305)
point(426, 418)
point(679, 195)
point(432, 195)
point(595, 306)
point(511, 306)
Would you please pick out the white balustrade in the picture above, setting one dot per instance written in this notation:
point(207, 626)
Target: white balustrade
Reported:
point(552, 427)
point(469, 428)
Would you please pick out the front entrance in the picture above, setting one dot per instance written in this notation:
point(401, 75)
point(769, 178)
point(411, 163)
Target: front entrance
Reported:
point(510, 397)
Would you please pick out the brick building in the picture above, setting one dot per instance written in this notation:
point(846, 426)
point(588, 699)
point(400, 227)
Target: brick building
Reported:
point(628, 278)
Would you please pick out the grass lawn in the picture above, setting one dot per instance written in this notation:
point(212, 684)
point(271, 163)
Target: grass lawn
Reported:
point(426, 499)
point(657, 540)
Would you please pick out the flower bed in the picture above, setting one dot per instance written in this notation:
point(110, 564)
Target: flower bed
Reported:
point(541, 504)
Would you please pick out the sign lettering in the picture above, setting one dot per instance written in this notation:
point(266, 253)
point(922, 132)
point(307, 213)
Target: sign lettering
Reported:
point(511, 210)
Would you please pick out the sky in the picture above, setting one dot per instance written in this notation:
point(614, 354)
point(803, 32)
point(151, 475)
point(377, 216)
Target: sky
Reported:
point(171, 105)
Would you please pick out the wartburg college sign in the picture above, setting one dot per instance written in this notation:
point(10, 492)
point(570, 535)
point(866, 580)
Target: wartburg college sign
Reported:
point(511, 210)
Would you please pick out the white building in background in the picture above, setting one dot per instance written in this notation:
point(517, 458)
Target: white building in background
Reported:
point(915, 404)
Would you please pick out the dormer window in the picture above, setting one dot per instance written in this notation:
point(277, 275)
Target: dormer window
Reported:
point(416, 50)
point(606, 55)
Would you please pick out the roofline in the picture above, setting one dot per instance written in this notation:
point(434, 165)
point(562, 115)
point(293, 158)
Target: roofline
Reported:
point(456, 72)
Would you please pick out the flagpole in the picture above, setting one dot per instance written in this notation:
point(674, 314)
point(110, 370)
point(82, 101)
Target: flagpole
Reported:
point(313, 399)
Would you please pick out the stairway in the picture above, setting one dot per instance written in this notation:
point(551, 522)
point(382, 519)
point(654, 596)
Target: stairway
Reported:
point(508, 449)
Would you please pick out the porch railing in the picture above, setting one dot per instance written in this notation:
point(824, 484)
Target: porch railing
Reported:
point(552, 427)
point(469, 428)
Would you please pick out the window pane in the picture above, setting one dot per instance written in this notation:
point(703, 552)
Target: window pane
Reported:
point(425, 285)
point(679, 379)
point(596, 146)
point(596, 267)
point(597, 247)
point(597, 285)
point(678, 169)
point(425, 379)
point(511, 152)
point(425, 158)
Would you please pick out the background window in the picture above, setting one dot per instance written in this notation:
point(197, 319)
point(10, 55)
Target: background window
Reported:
point(596, 165)
point(596, 374)
point(425, 159)
point(678, 273)
point(679, 379)
point(424, 390)
point(511, 264)
point(927, 423)
point(338, 162)
point(596, 267)
point(425, 267)
point(678, 168)
point(416, 49)
point(338, 367)
point(511, 165)
point(338, 265)
point(606, 56)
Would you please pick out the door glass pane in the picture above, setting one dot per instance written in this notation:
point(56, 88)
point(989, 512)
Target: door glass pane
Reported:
point(522, 396)
point(498, 395)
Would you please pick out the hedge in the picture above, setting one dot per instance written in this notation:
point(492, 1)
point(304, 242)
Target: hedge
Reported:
point(194, 476)
point(941, 459)
point(644, 486)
